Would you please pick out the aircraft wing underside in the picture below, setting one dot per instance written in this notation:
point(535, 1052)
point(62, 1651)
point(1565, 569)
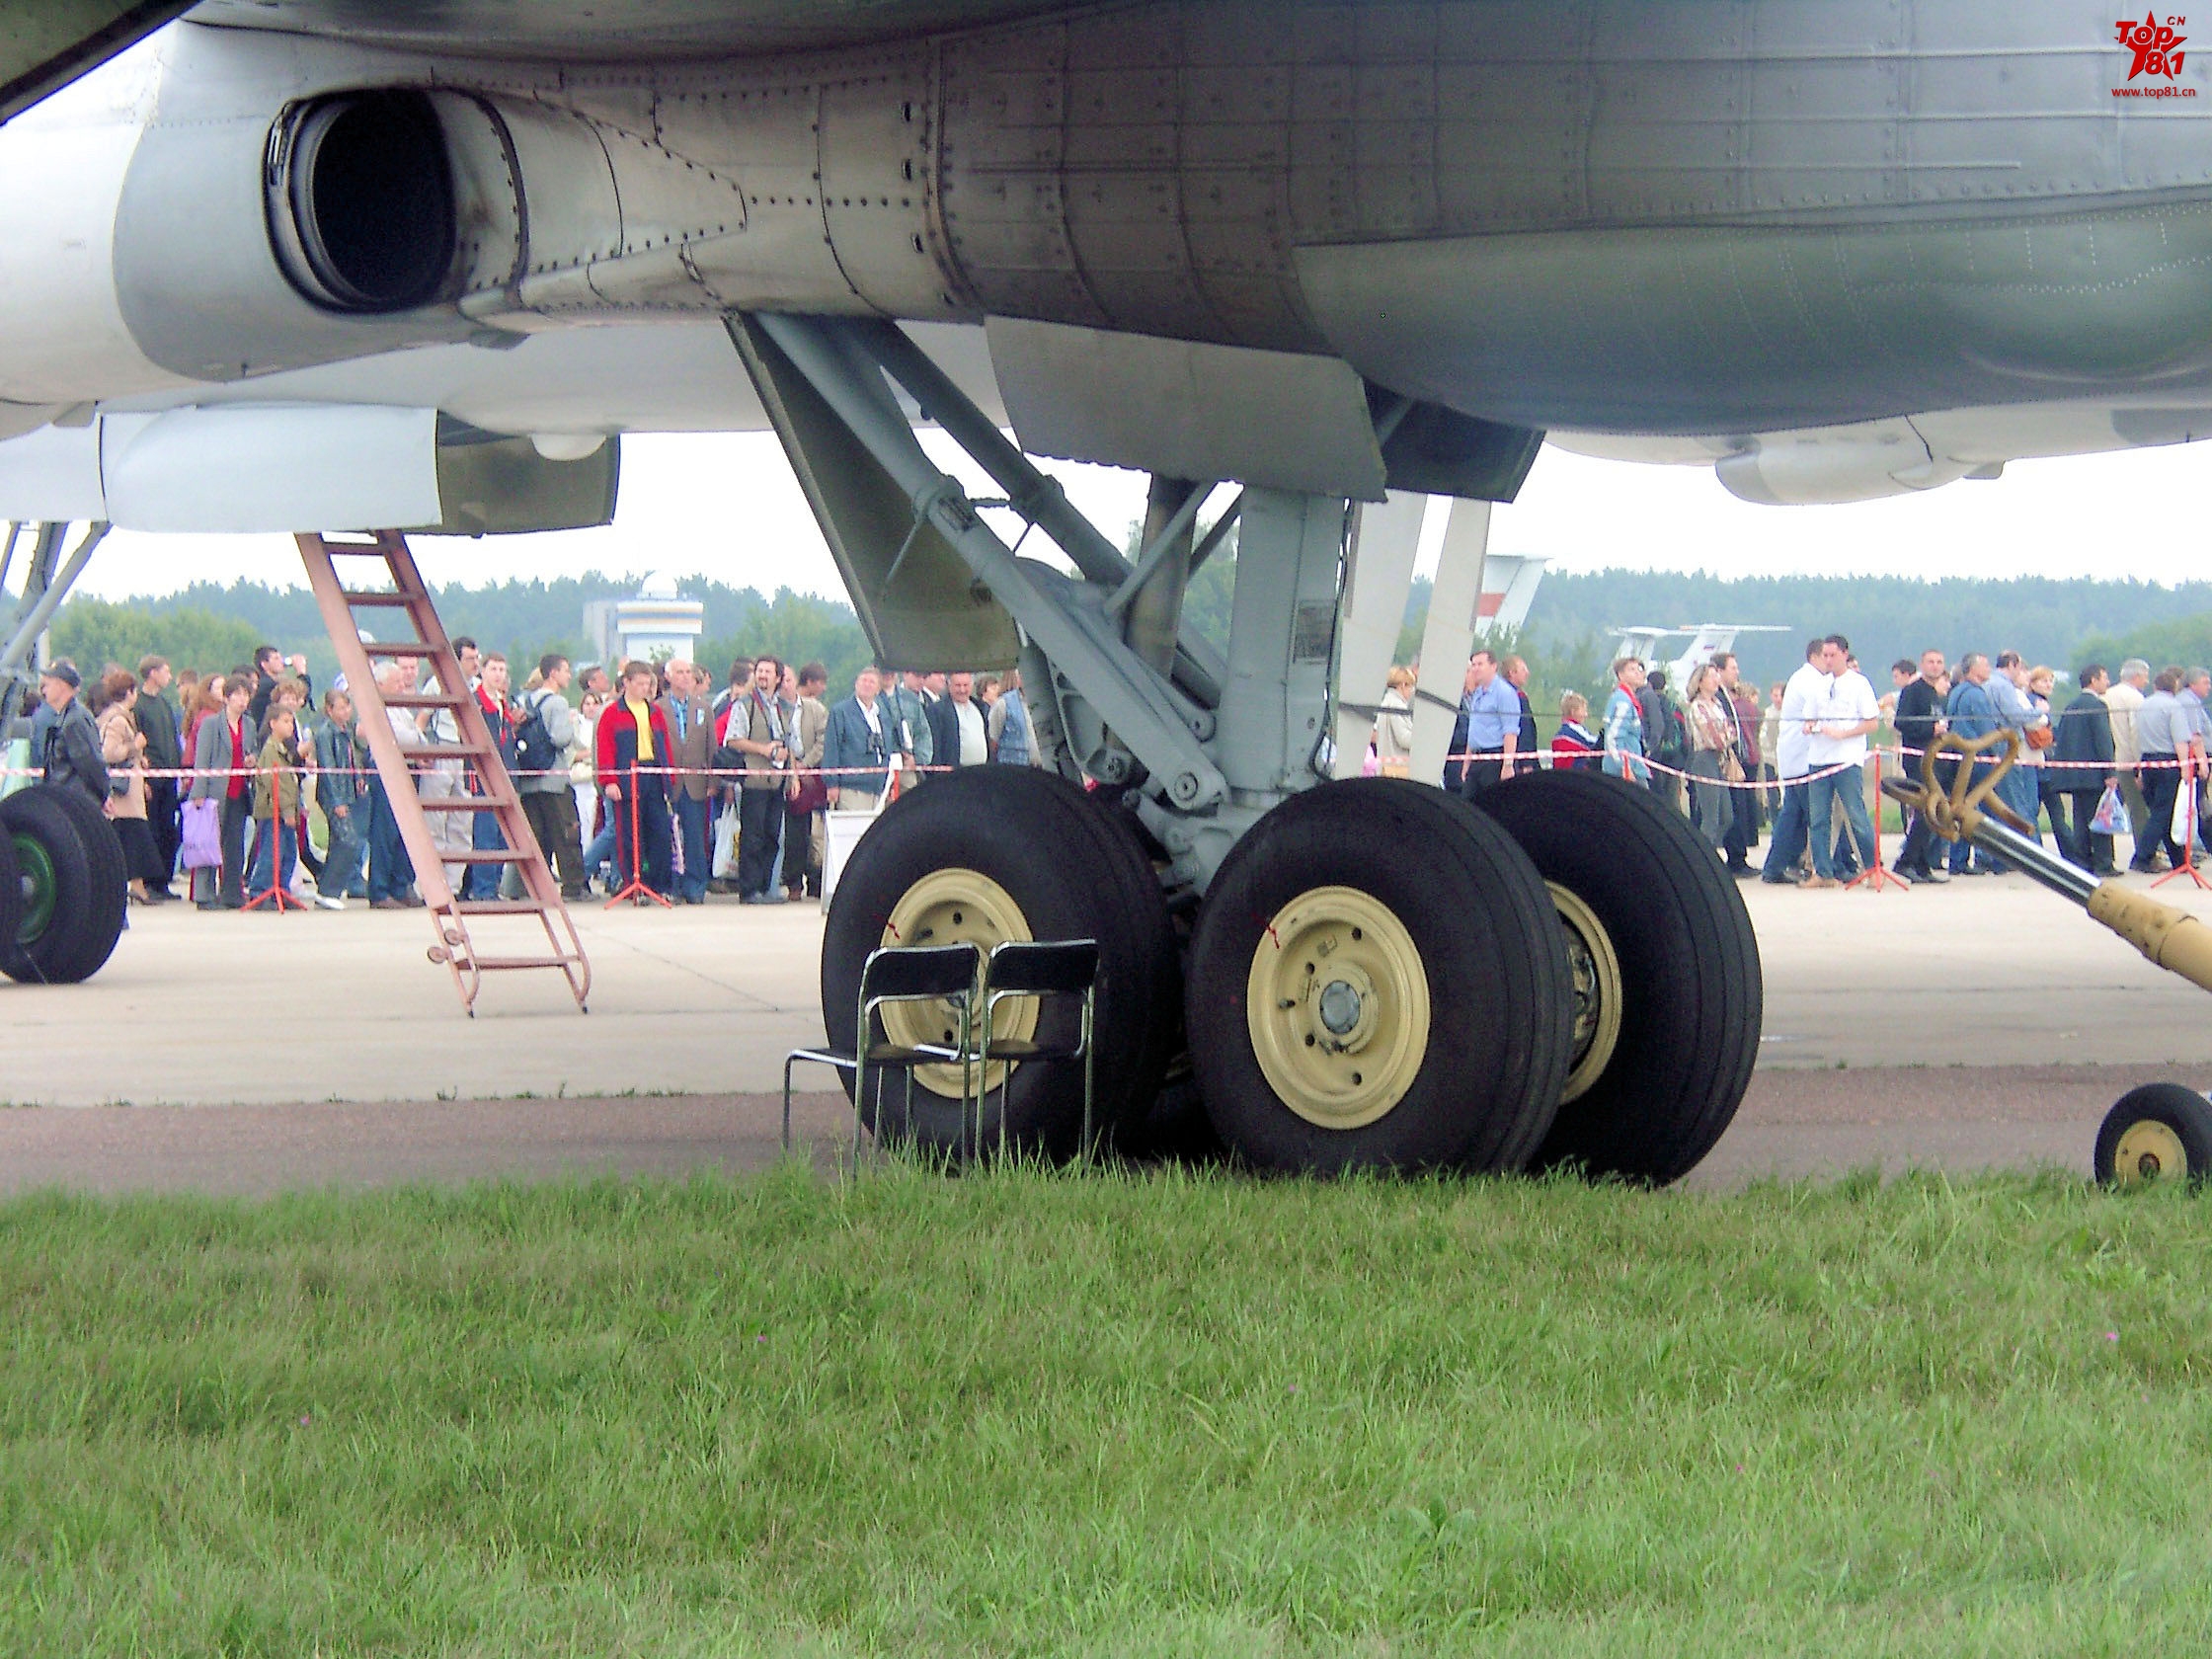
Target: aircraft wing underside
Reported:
point(46, 44)
point(581, 29)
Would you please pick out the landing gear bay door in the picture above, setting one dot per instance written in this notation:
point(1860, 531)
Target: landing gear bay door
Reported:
point(921, 606)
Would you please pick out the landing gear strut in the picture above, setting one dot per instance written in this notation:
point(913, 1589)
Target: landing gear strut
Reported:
point(1378, 977)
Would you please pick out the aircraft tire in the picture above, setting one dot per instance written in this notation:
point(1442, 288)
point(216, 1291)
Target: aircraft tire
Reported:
point(11, 895)
point(1660, 928)
point(1436, 1036)
point(2160, 1132)
point(72, 900)
point(994, 853)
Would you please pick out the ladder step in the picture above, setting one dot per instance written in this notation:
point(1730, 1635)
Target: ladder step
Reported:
point(395, 601)
point(423, 699)
point(399, 648)
point(500, 907)
point(511, 964)
point(470, 803)
point(501, 855)
point(443, 751)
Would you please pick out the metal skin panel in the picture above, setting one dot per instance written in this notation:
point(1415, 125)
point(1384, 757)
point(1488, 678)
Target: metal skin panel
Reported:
point(583, 31)
point(255, 469)
point(1187, 411)
point(63, 339)
point(1758, 329)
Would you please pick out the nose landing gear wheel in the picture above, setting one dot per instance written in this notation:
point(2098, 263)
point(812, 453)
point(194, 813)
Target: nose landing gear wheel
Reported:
point(71, 882)
point(1376, 981)
point(1668, 989)
point(994, 853)
point(2159, 1132)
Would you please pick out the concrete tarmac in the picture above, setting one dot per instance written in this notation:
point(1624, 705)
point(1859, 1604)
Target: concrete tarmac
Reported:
point(1982, 1024)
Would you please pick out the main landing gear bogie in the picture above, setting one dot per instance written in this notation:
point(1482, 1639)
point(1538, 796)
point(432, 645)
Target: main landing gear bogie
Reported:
point(1379, 976)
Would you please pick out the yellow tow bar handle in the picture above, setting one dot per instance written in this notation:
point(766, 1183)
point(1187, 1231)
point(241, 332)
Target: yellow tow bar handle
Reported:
point(2171, 938)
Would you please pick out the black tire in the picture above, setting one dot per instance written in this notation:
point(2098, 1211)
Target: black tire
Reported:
point(66, 844)
point(1137, 1129)
point(2137, 1119)
point(11, 895)
point(1691, 995)
point(1075, 873)
point(1478, 923)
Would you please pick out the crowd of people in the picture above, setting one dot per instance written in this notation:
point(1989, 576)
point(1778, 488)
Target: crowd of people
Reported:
point(2112, 762)
point(643, 779)
point(647, 780)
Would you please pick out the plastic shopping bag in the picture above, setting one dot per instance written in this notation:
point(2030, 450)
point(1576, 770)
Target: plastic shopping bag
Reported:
point(204, 836)
point(2111, 816)
point(725, 866)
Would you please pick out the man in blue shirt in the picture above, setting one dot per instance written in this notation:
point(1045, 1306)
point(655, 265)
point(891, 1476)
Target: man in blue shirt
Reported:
point(1972, 713)
point(1493, 726)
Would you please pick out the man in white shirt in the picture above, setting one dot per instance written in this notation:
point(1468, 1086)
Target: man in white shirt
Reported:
point(2123, 697)
point(1837, 738)
point(968, 714)
point(1801, 701)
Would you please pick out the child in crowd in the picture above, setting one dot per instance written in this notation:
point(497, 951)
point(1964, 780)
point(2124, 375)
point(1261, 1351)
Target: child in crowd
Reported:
point(291, 693)
point(277, 778)
point(1576, 748)
point(341, 792)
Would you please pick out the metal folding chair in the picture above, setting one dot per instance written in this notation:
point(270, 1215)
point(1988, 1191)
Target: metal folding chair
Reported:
point(1039, 969)
point(900, 974)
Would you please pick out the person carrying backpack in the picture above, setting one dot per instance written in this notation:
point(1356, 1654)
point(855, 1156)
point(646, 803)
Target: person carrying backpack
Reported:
point(543, 738)
point(1666, 736)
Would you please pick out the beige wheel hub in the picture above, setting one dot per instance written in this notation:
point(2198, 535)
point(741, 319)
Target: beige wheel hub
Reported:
point(2150, 1151)
point(1337, 1005)
point(956, 906)
point(1597, 990)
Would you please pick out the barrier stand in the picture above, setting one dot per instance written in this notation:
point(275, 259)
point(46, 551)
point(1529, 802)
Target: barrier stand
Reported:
point(2188, 866)
point(1876, 875)
point(637, 889)
point(274, 895)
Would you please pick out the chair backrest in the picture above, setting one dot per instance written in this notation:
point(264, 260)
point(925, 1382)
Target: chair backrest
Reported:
point(899, 973)
point(1045, 967)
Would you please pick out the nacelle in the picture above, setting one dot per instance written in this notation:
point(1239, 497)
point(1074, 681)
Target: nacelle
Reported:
point(362, 212)
point(1864, 463)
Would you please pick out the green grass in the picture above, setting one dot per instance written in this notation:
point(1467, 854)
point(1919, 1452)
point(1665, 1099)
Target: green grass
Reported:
point(1167, 1414)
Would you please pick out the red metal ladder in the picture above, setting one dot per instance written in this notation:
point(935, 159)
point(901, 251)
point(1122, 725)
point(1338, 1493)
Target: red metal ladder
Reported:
point(563, 949)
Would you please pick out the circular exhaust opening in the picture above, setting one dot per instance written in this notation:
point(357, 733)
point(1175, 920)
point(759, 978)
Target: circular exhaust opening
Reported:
point(360, 200)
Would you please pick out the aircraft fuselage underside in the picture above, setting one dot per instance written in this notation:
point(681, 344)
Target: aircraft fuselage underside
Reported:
point(1608, 217)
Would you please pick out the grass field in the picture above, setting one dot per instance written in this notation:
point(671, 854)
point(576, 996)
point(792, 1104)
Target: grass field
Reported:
point(1166, 1415)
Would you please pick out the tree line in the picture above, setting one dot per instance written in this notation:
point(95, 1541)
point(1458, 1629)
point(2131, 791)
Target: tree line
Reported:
point(2062, 622)
point(1567, 638)
point(214, 627)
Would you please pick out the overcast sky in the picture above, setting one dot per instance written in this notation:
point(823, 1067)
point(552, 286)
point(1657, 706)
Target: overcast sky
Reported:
point(727, 506)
